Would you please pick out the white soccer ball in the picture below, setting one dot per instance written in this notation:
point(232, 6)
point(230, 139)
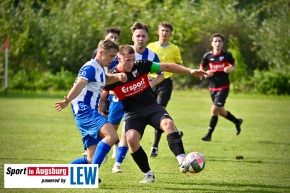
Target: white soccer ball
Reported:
point(195, 162)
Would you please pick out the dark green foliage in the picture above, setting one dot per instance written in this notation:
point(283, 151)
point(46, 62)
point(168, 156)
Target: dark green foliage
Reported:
point(35, 80)
point(51, 35)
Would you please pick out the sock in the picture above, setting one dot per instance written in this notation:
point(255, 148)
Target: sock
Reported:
point(231, 117)
point(157, 137)
point(149, 173)
point(82, 160)
point(175, 143)
point(180, 158)
point(141, 160)
point(121, 154)
point(212, 124)
point(101, 152)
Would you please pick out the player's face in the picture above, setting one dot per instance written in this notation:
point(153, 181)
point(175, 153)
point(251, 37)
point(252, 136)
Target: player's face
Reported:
point(113, 36)
point(140, 38)
point(164, 33)
point(217, 43)
point(107, 57)
point(126, 62)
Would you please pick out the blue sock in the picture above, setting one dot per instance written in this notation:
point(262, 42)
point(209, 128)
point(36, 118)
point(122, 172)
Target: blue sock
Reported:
point(82, 160)
point(101, 151)
point(122, 151)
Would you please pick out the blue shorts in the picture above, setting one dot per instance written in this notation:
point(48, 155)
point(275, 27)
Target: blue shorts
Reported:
point(89, 123)
point(116, 111)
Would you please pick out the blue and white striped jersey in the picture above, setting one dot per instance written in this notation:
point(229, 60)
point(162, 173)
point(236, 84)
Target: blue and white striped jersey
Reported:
point(147, 55)
point(90, 95)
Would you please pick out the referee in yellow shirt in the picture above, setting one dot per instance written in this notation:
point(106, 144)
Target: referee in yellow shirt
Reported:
point(167, 53)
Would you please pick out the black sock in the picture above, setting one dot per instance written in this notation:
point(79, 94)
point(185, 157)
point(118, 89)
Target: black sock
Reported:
point(157, 137)
point(212, 124)
point(141, 160)
point(175, 143)
point(231, 117)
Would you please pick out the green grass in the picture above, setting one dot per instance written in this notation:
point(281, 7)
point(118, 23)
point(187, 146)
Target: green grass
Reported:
point(32, 132)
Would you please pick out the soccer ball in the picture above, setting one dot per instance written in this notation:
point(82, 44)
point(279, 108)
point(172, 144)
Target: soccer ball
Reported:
point(195, 162)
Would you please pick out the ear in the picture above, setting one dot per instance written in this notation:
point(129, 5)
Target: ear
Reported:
point(101, 52)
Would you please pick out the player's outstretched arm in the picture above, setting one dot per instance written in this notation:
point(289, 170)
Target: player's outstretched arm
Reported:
point(73, 93)
point(176, 68)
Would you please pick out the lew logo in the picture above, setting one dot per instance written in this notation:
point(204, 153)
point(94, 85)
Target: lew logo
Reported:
point(51, 176)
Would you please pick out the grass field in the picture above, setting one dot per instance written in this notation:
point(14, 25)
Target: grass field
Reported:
point(33, 132)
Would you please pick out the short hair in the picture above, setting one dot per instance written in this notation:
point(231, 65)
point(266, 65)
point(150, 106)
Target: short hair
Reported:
point(217, 35)
point(166, 24)
point(113, 30)
point(126, 49)
point(139, 25)
point(108, 44)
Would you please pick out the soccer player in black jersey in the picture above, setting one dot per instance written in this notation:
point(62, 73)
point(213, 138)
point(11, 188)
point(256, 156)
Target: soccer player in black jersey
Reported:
point(141, 107)
point(219, 63)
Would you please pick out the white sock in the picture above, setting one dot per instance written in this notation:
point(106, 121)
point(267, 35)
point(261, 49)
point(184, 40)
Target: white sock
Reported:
point(149, 173)
point(117, 164)
point(180, 158)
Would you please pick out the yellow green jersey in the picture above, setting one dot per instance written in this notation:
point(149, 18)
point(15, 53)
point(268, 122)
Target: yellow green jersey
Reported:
point(166, 54)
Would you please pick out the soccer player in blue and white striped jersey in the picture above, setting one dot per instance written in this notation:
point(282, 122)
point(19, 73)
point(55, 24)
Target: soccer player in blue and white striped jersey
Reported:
point(98, 135)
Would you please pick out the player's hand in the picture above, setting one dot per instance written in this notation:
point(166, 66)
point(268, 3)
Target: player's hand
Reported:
point(61, 104)
point(209, 73)
point(122, 77)
point(200, 73)
point(228, 69)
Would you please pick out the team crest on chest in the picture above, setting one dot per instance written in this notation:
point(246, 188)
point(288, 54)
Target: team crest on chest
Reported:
point(222, 58)
point(135, 73)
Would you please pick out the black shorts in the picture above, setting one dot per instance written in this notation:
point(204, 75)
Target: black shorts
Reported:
point(163, 91)
point(151, 115)
point(106, 105)
point(219, 97)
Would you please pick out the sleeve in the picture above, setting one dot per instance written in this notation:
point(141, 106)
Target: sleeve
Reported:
point(87, 72)
point(231, 59)
point(177, 56)
point(114, 63)
point(203, 64)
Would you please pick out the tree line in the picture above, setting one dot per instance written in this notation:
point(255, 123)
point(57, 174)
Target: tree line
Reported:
point(51, 39)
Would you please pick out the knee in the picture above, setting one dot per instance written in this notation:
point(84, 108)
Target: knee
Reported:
point(114, 137)
point(167, 125)
point(131, 141)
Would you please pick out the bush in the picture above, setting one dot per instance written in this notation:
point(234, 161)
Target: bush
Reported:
point(37, 81)
point(273, 81)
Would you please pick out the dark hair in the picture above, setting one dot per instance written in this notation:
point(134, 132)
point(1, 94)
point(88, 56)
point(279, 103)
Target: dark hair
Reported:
point(139, 25)
point(217, 35)
point(113, 30)
point(166, 24)
point(126, 49)
point(108, 44)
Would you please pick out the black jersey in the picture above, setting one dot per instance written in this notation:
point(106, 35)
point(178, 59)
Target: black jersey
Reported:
point(136, 93)
point(217, 63)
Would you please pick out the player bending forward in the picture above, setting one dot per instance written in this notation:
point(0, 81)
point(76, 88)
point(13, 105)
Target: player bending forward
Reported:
point(141, 108)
